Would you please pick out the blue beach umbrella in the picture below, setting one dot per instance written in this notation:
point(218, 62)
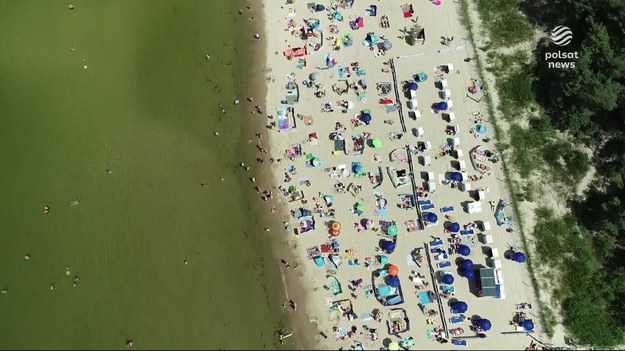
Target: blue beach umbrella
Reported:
point(470, 275)
point(454, 227)
point(519, 257)
point(388, 246)
point(456, 176)
point(448, 279)
point(467, 265)
point(366, 117)
point(413, 86)
point(528, 325)
point(464, 250)
point(431, 217)
point(392, 281)
point(484, 324)
point(481, 129)
point(442, 106)
point(459, 306)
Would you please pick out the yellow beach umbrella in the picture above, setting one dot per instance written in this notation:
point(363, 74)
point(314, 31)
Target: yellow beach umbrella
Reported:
point(394, 346)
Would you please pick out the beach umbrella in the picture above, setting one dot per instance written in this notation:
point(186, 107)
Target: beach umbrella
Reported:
point(387, 102)
point(431, 217)
point(519, 257)
point(388, 246)
point(392, 281)
point(361, 170)
point(393, 270)
point(442, 106)
point(366, 118)
point(318, 261)
point(464, 250)
point(383, 259)
point(528, 325)
point(315, 162)
point(314, 76)
point(369, 223)
point(454, 227)
point(460, 306)
point(394, 346)
point(456, 176)
point(377, 143)
point(336, 226)
point(384, 291)
point(484, 324)
point(448, 279)
point(335, 233)
point(392, 230)
point(350, 105)
point(319, 8)
point(356, 166)
point(470, 274)
point(467, 265)
point(292, 189)
point(413, 86)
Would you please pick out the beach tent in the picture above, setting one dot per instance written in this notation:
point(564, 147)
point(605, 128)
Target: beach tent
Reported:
point(481, 129)
point(459, 306)
point(448, 279)
point(442, 106)
point(431, 217)
point(413, 86)
point(377, 143)
point(467, 265)
point(456, 176)
point(393, 270)
point(484, 324)
point(392, 230)
point(393, 281)
point(388, 246)
point(519, 257)
point(454, 227)
point(528, 325)
point(464, 250)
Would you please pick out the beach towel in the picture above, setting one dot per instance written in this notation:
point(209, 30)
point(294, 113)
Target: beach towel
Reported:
point(425, 297)
point(457, 319)
point(381, 212)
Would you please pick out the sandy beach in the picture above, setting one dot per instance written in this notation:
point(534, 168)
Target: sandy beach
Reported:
point(329, 150)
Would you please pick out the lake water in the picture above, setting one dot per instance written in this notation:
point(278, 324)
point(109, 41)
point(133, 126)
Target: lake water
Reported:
point(145, 108)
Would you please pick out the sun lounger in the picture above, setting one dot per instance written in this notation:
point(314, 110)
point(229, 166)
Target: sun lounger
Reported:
point(467, 232)
point(427, 207)
point(425, 202)
point(436, 243)
point(448, 289)
point(457, 319)
point(447, 209)
point(441, 256)
point(459, 342)
point(443, 265)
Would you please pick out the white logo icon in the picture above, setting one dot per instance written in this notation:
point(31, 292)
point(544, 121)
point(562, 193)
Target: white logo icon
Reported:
point(561, 35)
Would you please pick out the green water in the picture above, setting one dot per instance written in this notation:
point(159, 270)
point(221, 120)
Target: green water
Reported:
point(145, 108)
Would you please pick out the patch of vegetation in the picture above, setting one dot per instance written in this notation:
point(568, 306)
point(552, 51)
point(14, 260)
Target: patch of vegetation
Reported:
point(587, 293)
point(505, 22)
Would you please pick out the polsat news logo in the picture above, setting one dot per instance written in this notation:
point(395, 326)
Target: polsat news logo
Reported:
point(561, 36)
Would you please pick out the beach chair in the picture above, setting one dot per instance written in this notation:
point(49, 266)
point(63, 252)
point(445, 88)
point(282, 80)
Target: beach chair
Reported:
point(448, 289)
point(459, 342)
point(467, 232)
point(427, 207)
point(457, 319)
point(436, 243)
point(441, 256)
point(447, 209)
point(425, 202)
point(443, 265)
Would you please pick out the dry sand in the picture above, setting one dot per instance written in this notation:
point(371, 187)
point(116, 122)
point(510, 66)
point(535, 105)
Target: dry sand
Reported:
point(438, 21)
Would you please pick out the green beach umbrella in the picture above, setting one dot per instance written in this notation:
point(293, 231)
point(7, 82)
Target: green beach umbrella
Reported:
point(361, 170)
point(360, 207)
point(292, 189)
point(377, 143)
point(392, 230)
point(316, 162)
point(367, 111)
